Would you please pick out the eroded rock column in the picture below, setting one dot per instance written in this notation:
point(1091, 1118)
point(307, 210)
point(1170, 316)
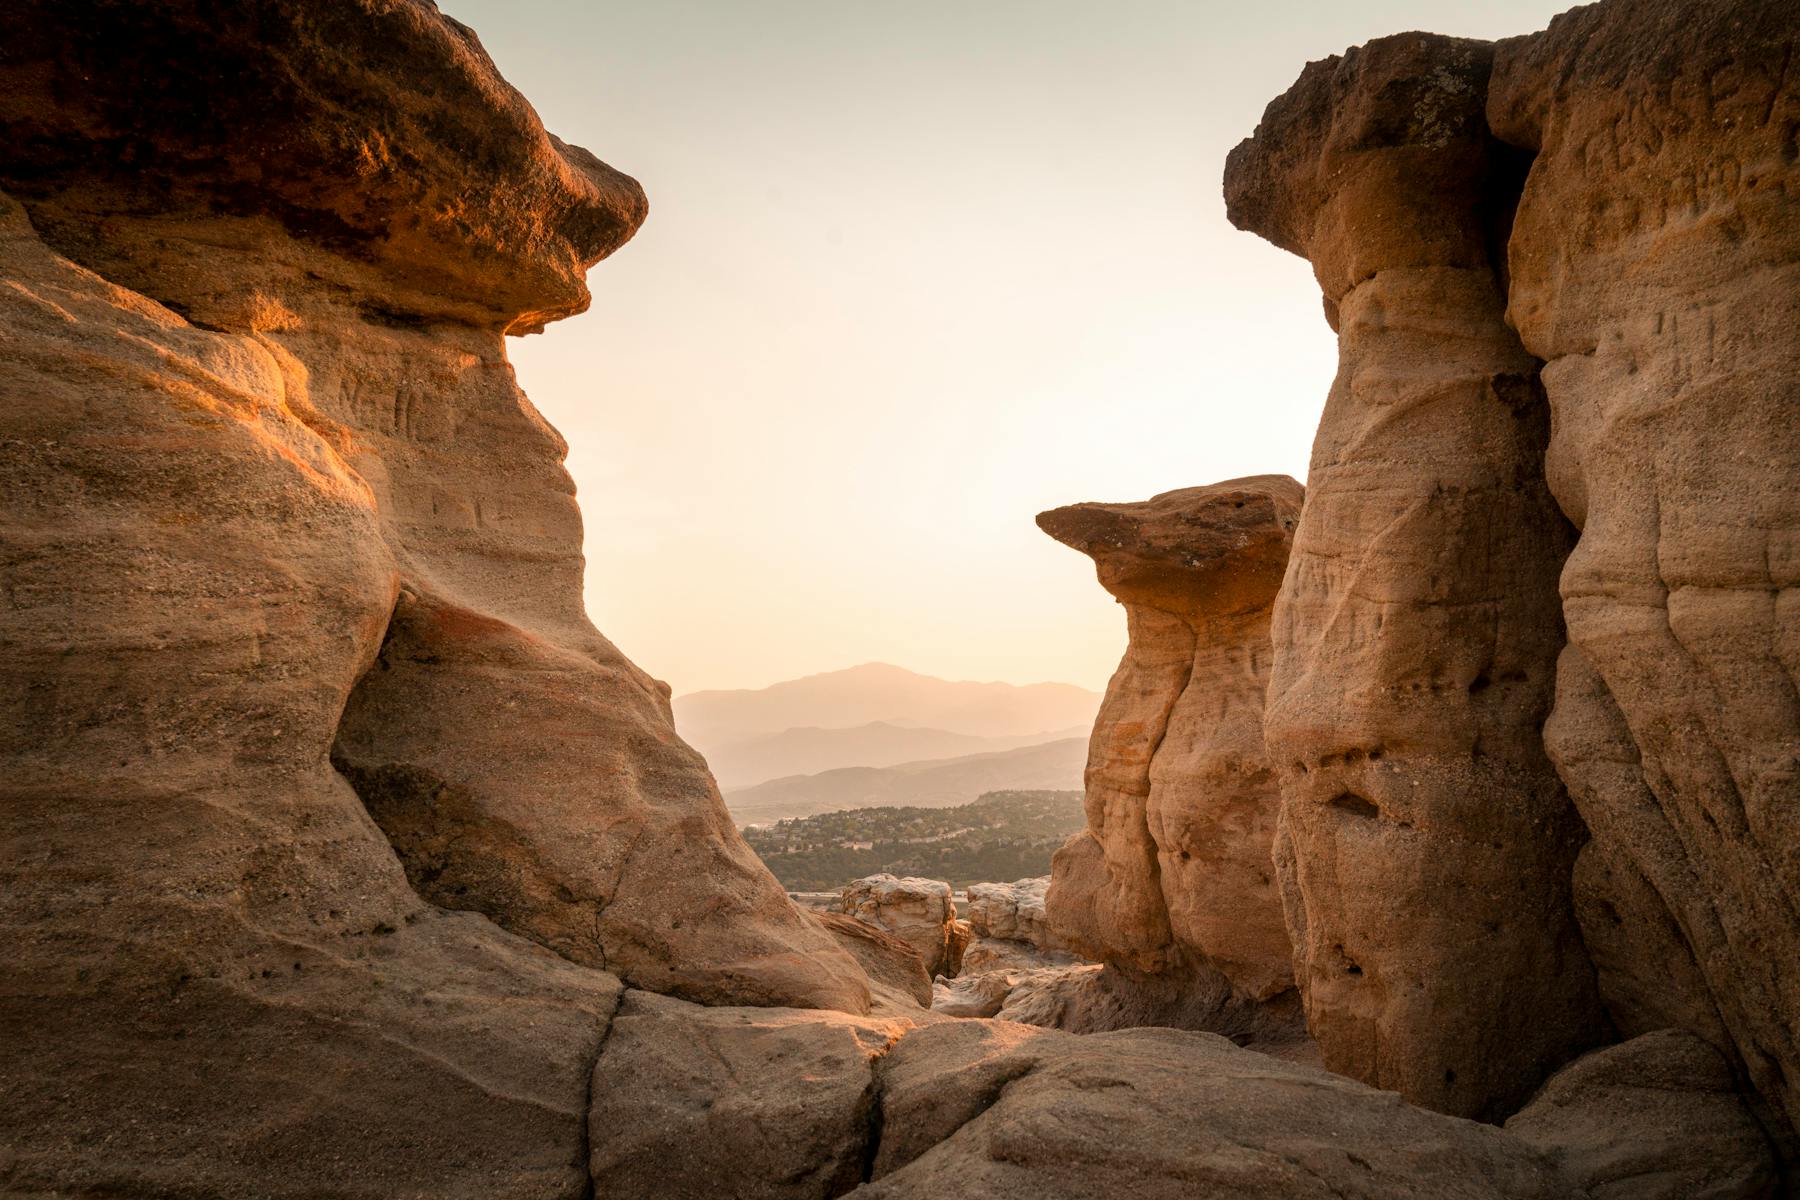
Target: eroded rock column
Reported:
point(1173, 875)
point(1427, 843)
point(1656, 270)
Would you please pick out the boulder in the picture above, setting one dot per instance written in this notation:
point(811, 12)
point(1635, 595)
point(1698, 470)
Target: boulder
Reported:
point(1427, 844)
point(1173, 875)
point(738, 1103)
point(1655, 1118)
point(994, 1110)
point(1012, 912)
point(693, 1103)
point(921, 912)
point(975, 994)
point(895, 970)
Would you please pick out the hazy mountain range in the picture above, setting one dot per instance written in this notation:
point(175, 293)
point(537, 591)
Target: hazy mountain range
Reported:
point(939, 783)
point(810, 749)
point(880, 734)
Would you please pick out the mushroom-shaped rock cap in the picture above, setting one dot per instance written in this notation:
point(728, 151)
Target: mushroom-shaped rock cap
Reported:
point(376, 129)
point(1216, 549)
point(1372, 159)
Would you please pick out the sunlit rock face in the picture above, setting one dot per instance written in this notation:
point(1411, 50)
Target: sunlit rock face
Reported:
point(920, 912)
point(1655, 269)
point(1427, 844)
point(1173, 878)
point(324, 806)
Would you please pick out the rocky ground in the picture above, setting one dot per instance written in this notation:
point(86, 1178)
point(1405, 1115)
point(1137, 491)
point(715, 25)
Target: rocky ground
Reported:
point(344, 857)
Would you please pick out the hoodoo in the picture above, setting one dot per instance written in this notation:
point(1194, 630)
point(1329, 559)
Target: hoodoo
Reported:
point(1426, 843)
point(1171, 884)
point(344, 857)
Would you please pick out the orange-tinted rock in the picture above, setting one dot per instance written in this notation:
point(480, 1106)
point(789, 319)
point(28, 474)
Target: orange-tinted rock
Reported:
point(270, 498)
point(1655, 268)
point(997, 1111)
point(897, 976)
point(1173, 876)
point(1427, 843)
point(920, 912)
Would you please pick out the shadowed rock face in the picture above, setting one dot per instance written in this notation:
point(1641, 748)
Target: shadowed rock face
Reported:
point(1655, 264)
point(1173, 874)
point(1426, 843)
point(270, 501)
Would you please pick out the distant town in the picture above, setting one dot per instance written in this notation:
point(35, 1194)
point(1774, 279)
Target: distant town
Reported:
point(1001, 835)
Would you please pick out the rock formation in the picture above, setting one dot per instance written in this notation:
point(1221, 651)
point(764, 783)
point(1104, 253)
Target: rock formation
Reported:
point(711, 1104)
point(1172, 878)
point(973, 1109)
point(920, 912)
point(344, 857)
point(1012, 912)
point(1655, 269)
point(897, 975)
point(1010, 930)
point(1427, 843)
point(272, 501)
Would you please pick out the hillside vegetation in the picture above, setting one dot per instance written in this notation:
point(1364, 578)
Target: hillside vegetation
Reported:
point(1000, 836)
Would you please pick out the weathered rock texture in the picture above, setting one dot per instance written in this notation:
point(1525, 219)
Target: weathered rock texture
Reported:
point(979, 1109)
point(920, 912)
point(720, 1103)
point(270, 500)
point(1172, 878)
point(1012, 912)
point(698, 1103)
point(897, 975)
point(1655, 268)
point(1427, 843)
point(1010, 930)
point(1655, 1118)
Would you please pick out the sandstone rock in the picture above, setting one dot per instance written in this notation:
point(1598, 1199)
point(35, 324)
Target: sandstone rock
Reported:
point(921, 912)
point(996, 954)
point(522, 767)
point(994, 1110)
point(1173, 875)
point(1657, 1118)
point(1012, 912)
point(720, 1102)
point(205, 930)
point(1055, 997)
point(696, 1103)
point(1655, 268)
point(1052, 997)
point(895, 970)
point(268, 494)
point(974, 995)
point(1427, 844)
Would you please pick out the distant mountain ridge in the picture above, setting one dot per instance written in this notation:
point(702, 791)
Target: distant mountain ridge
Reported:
point(810, 749)
point(714, 721)
point(936, 783)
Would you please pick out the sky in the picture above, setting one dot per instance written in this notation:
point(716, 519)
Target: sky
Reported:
point(914, 272)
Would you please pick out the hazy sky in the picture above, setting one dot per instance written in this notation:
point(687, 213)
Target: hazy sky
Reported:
point(913, 272)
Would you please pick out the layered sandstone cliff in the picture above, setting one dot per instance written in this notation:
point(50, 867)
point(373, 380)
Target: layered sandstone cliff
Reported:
point(1172, 878)
point(1655, 269)
point(1427, 843)
point(343, 857)
point(1561, 267)
point(323, 804)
